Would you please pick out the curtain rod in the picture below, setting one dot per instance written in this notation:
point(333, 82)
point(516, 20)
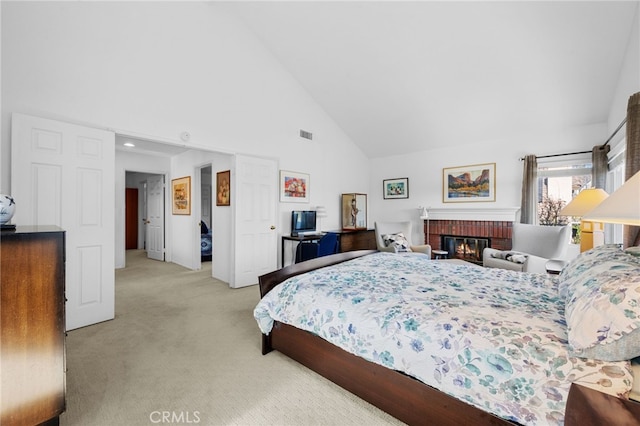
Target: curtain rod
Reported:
point(622, 123)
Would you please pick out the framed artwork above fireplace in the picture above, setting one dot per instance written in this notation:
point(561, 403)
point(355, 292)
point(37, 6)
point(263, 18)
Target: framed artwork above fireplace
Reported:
point(473, 183)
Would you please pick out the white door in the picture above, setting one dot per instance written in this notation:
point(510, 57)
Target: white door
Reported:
point(63, 174)
point(154, 225)
point(255, 219)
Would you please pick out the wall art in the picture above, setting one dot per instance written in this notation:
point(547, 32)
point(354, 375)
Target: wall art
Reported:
point(472, 183)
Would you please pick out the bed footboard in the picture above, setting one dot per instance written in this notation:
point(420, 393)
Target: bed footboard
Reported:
point(272, 279)
point(402, 396)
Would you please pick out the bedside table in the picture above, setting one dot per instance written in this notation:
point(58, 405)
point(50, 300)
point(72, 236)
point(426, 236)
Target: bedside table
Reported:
point(587, 407)
point(440, 254)
point(554, 266)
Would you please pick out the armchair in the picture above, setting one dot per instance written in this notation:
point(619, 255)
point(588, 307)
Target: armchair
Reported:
point(390, 228)
point(537, 242)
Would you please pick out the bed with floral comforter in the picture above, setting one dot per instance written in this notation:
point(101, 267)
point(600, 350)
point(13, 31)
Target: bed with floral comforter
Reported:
point(494, 338)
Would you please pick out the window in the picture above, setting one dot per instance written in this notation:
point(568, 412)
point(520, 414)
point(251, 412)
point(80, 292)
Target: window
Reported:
point(562, 178)
point(559, 180)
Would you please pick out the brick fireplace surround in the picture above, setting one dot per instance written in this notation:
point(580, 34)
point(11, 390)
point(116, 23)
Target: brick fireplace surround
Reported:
point(499, 232)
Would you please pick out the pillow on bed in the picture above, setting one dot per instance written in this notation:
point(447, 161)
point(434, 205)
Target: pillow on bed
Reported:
point(397, 241)
point(603, 306)
point(574, 273)
point(511, 256)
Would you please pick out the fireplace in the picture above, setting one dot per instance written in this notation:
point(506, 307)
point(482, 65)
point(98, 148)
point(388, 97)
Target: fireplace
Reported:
point(472, 236)
point(465, 248)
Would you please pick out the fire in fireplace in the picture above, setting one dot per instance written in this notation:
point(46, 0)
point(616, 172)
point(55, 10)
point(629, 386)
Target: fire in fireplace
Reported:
point(465, 248)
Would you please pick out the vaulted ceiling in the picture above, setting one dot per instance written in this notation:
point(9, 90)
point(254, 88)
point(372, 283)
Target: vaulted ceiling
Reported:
point(401, 77)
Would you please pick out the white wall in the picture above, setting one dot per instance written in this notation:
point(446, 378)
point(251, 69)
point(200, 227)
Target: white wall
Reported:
point(424, 170)
point(629, 81)
point(223, 245)
point(185, 230)
point(158, 69)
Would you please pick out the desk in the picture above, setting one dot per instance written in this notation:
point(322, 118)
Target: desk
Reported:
point(348, 240)
point(300, 239)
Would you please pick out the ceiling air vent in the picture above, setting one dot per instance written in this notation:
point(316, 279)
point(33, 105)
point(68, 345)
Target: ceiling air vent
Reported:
point(306, 135)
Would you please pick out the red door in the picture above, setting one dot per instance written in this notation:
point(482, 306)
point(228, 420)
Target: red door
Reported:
point(131, 219)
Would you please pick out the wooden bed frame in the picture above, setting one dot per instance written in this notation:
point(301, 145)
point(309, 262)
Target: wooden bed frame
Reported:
point(402, 396)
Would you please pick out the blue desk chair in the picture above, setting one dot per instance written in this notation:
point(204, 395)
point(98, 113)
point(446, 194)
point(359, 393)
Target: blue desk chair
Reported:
point(327, 245)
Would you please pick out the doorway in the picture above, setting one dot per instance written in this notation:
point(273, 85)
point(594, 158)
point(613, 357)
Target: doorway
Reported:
point(144, 213)
point(206, 214)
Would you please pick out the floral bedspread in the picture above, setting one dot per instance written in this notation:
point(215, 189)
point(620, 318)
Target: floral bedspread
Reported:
point(494, 338)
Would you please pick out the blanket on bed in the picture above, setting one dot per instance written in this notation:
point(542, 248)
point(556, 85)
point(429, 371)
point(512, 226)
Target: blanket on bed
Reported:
point(494, 338)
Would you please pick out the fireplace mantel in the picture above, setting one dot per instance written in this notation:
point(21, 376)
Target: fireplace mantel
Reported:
point(474, 213)
point(499, 232)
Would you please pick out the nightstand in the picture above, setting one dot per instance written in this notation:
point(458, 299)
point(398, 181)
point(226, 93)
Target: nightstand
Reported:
point(554, 266)
point(438, 254)
point(588, 407)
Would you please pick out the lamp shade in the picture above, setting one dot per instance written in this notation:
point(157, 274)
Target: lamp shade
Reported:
point(424, 214)
point(623, 206)
point(321, 211)
point(584, 202)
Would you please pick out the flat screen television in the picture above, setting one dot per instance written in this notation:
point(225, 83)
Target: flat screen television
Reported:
point(303, 222)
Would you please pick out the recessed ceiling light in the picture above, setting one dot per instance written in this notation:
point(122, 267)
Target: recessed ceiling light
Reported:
point(129, 144)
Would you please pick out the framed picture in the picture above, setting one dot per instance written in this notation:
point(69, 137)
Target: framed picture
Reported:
point(294, 187)
point(395, 188)
point(181, 195)
point(354, 211)
point(223, 188)
point(472, 183)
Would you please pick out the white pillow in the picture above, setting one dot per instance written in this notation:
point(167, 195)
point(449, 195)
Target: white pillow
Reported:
point(397, 241)
point(603, 305)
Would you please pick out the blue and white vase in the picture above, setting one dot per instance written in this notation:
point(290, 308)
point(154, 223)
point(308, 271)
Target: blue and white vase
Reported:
point(7, 208)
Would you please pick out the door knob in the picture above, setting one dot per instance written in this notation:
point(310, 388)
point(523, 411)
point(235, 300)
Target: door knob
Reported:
point(272, 227)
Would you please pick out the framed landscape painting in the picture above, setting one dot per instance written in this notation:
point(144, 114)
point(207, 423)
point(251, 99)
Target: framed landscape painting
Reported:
point(294, 187)
point(472, 183)
point(395, 188)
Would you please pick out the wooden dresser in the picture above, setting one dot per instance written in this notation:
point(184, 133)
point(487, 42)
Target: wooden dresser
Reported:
point(32, 332)
point(362, 239)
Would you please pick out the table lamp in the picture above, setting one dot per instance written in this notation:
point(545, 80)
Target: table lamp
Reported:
point(321, 212)
point(591, 232)
point(622, 207)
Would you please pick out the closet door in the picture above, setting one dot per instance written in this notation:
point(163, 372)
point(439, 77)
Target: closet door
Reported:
point(154, 226)
point(63, 174)
point(256, 251)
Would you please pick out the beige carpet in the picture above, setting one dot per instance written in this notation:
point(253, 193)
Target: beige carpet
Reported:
point(185, 349)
